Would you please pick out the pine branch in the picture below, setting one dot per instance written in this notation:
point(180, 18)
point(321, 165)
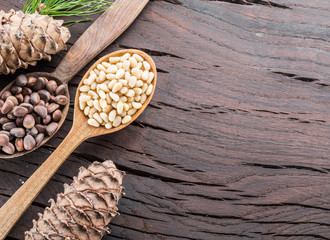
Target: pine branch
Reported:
point(64, 8)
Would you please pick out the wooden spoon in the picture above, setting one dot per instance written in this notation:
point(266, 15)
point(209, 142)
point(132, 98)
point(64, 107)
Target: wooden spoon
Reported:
point(97, 37)
point(11, 211)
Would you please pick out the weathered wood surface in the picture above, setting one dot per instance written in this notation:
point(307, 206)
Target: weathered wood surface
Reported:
point(235, 144)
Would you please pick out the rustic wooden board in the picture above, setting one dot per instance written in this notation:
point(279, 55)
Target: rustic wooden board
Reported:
point(235, 144)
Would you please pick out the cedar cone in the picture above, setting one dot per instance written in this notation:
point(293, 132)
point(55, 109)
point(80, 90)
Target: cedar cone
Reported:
point(84, 209)
point(27, 38)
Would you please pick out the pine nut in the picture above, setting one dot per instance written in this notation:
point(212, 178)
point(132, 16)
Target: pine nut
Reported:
point(97, 72)
point(111, 84)
point(143, 98)
point(105, 65)
point(137, 91)
point(111, 76)
point(117, 87)
point(139, 83)
point(137, 98)
point(82, 105)
point(130, 93)
point(97, 117)
point(114, 96)
point(107, 109)
point(127, 75)
point(130, 100)
point(119, 65)
point(137, 57)
point(133, 62)
point(102, 76)
point(145, 75)
point(93, 85)
point(93, 122)
point(123, 99)
point(112, 115)
point(136, 105)
point(124, 90)
point(126, 119)
point(123, 82)
point(125, 57)
point(103, 103)
point(84, 88)
point(93, 94)
point(131, 111)
point(132, 81)
point(151, 77)
point(102, 94)
point(136, 73)
point(144, 87)
point(84, 98)
point(126, 65)
point(86, 110)
point(139, 65)
point(117, 121)
point(90, 102)
point(101, 67)
point(120, 73)
point(114, 59)
point(104, 87)
point(114, 105)
point(149, 90)
point(96, 104)
point(108, 125)
point(112, 69)
point(120, 107)
point(126, 107)
point(146, 65)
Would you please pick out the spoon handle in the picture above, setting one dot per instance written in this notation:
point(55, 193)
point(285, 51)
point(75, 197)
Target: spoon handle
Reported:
point(98, 36)
point(14, 208)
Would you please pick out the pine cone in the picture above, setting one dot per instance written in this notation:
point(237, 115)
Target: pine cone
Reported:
point(85, 208)
point(27, 38)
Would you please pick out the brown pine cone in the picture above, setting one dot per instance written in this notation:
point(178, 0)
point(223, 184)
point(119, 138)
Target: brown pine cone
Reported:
point(27, 38)
point(84, 209)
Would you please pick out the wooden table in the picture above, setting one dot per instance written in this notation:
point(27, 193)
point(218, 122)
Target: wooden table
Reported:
point(235, 143)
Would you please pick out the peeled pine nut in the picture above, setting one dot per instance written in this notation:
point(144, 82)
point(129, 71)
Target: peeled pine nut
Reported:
point(93, 122)
point(126, 119)
point(112, 115)
point(117, 121)
point(136, 105)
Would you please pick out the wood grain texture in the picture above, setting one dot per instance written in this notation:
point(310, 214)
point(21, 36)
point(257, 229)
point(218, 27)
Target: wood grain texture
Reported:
point(235, 143)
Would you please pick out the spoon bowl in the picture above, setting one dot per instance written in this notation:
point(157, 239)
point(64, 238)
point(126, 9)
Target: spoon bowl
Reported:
point(81, 120)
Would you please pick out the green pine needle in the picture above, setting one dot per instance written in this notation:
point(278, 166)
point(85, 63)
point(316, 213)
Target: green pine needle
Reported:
point(64, 8)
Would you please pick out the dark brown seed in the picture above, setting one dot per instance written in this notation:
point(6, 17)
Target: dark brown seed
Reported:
point(41, 128)
point(40, 84)
point(42, 103)
point(4, 120)
point(21, 80)
point(51, 128)
point(26, 91)
point(4, 140)
point(61, 90)
point(32, 131)
point(5, 95)
point(44, 95)
point(57, 115)
point(41, 110)
point(1, 103)
point(29, 121)
point(61, 99)
point(13, 99)
point(20, 111)
point(26, 99)
point(51, 86)
point(31, 81)
point(52, 107)
point(36, 117)
point(19, 122)
point(19, 144)
point(39, 138)
point(10, 115)
point(15, 90)
point(9, 149)
point(19, 98)
point(34, 98)
point(29, 142)
point(7, 107)
point(28, 106)
point(8, 126)
point(47, 119)
point(17, 132)
point(5, 132)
